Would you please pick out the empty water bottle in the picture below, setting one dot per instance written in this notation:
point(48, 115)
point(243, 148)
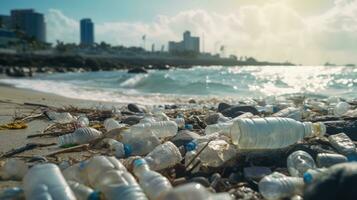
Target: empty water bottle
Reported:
point(14, 169)
point(278, 186)
point(14, 193)
point(123, 191)
point(223, 128)
point(140, 143)
point(45, 181)
point(60, 117)
point(191, 152)
point(180, 122)
point(339, 109)
point(216, 153)
point(271, 132)
point(299, 162)
point(80, 136)
point(75, 173)
point(161, 129)
point(163, 156)
point(83, 192)
point(290, 112)
point(343, 144)
point(329, 159)
point(110, 124)
point(153, 183)
point(120, 150)
point(82, 121)
point(194, 191)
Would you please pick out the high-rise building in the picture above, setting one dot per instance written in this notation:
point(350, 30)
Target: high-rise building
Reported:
point(188, 44)
point(5, 21)
point(30, 22)
point(87, 32)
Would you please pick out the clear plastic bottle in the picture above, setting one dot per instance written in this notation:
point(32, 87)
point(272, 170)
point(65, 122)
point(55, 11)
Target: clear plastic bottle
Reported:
point(191, 152)
point(271, 132)
point(14, 169)
point(82, 121)
point(75, 173)
point(312, 175)
point(140, 143)
point(223, 128)
point(80, 136)
point(161, 129)
point(163, 156)
point(153, 183)
point(180, 122)
point(122, 191)
point(14, 193)
point(290, 112)
point(343, 144)
point(110, 124)
point(299, 162)
point(329, 159)
point(340, 108)
point(83, 192)
point(278, 186)
point(120, 150)
point(45, 181)
point(60, 117)
point(194, 191)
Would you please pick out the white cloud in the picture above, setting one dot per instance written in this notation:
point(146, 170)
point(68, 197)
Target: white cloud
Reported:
point(270, 32)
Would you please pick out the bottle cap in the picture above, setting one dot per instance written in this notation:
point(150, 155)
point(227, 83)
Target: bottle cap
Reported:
point(188, 126)
point(128, 150)
point(352, 157)
point(190, 146)
point(307, 177)
point(139, 162)
point(94, 196)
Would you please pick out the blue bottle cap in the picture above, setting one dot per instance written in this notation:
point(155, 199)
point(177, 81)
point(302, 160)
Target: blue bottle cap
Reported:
point(352, 157)
point(188, 126)
point(190, 146)
point(94, 196)
point(307, 178)
point(139, 162)
point(128, 150)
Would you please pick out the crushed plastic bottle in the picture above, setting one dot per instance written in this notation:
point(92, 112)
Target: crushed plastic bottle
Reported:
point(339, 109)
point(329, 159)
point(290, 112)
point(140, 143)
point(14, 169)
point(344, 145)
point(278, 186)
point(45, 181)
point(120, 150)
point(163, 156)
point(153, 183)
point(83, 192)
point(271, 132)
point(82, 121)
point(60, 117)
point(14, 193)
point(80, 136)
point(110, 124)
point(194, 191)
point(299, 162)
point(161, 129)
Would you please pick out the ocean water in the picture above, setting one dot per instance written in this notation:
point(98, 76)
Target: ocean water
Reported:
point(198, 82)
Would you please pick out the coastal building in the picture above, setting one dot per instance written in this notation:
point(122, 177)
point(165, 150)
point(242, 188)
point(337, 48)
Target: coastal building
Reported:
point(31, 23)
point(188, 44)
point(5, 21)
point(7, 37)
point(87, 32)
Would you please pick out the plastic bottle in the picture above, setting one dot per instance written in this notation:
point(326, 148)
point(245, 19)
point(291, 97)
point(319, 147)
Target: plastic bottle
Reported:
point(83, 192)
point(120, 150)
point(194, 191)
point(60, 117)
point(110, 124)
point(340, 108)
point(343, 144)
point(223, 128)
point(122, 191)
point(153, 183)
point(140, 143)
point(299, 162)
point(82, 121)
point(271, 132)
point(45, 181)
point(161, 129)
point(75, 173)
point(180, 122)
point(290, 112)
point(278, 186)
point(163, 156)
point(14, 169)
point(80, 136)
point(329, 159)
point(191, 152)
point(14, 193)
point(312, 175)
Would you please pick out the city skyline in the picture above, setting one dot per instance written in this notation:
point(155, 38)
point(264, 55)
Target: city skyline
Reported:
point(309, 32)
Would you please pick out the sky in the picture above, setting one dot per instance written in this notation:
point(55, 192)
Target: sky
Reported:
point(306, 32)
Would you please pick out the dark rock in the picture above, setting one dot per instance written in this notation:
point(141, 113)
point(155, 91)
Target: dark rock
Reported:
point(134, 108)
point(338, 183)
point(213, 118)
point(139, 70)
point(222, 106)
point(245, 193)
point(192, 101)
point(256, 173)
point(235, 111)
point(131, 120)
point(183, 137)
point(347, 127)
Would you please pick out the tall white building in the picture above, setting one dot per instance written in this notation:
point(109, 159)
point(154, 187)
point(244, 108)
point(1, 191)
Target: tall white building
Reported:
point(188, 44)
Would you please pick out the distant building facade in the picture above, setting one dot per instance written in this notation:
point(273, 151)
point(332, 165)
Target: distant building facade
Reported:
point(5, 21)
point(87, 32)
point(188, 44)
point(30, 22)
point(7, 37)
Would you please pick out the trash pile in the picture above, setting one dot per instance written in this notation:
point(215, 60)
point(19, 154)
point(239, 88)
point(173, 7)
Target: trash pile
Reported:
point(292, 148)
